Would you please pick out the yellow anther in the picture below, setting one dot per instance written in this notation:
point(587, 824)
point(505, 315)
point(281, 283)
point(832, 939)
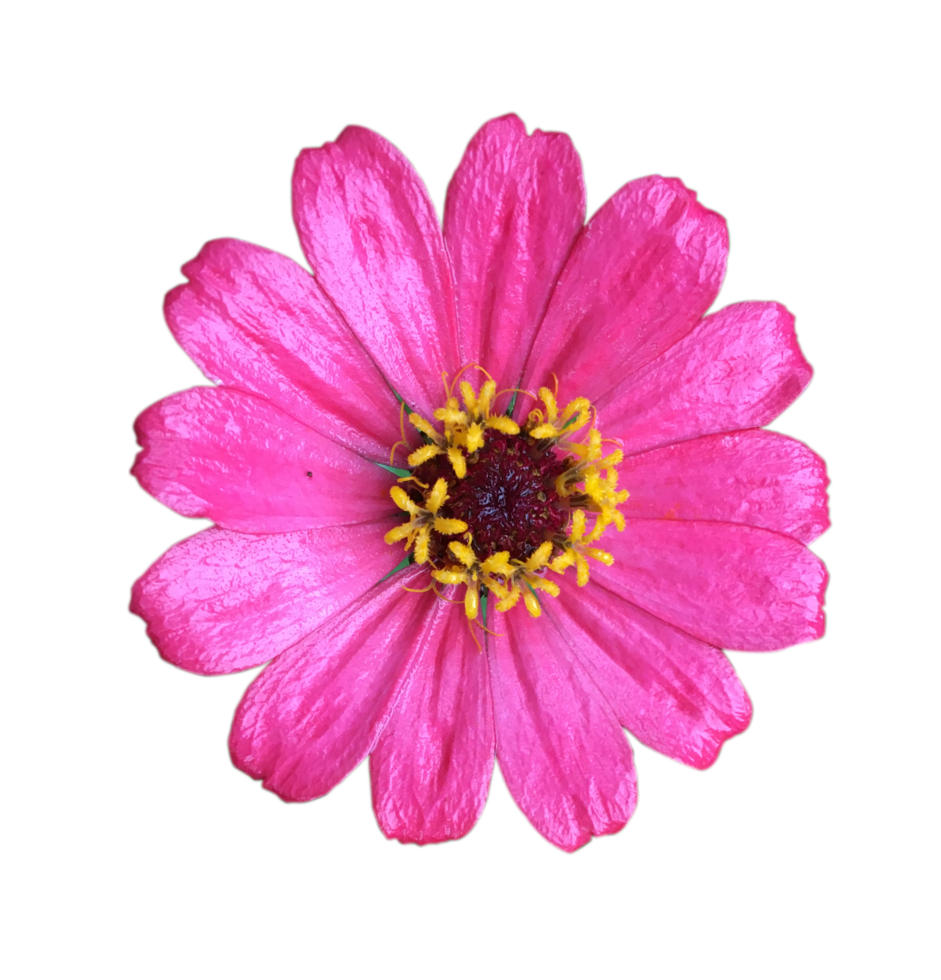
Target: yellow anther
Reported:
point(500, 591)
point(579, 409)
point(445, 525)
point(532, 603)
point(504, 424)
point(463, 553)
point(449, 576)
point(422, 455)
point(487, 394)
point(498, 564)
point(398, 533)
point(510, 600)
point(565, 560)
point(581, 563)
point(471, 600)
point(458, 462)
point(539, 557)
point(403, 501)
point(474, 439)
point(605, 557)
point(552, 408)
point(470, 399)
point(451, 416)
point(426, 428)
point(421, 545)
point(544, 431)
point(544, 584)
point(578, 525)
point(438, 495)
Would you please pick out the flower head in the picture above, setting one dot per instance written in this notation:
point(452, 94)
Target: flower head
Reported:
point(497, 489)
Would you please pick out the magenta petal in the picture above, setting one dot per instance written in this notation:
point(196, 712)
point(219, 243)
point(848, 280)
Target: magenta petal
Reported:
point(222, 601)
point(749, 477)
point(513, 209)
point(560, 747)
point(738, 369)
point(255, 320)
point(238, 460)
point(734, 586)
point(432, 764)
point(314, 714)
point(372, 238)
point(677, 694)
point(643, 271)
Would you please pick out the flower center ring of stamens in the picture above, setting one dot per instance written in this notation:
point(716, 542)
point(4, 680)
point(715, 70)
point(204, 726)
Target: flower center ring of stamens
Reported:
point(495, 506)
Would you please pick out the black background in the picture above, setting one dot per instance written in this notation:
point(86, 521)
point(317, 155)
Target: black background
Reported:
point(774, 785)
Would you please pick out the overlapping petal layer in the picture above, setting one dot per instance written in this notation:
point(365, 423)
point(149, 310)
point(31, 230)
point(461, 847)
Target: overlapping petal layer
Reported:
point(734, 586)
point(748, 477)
point(255, 320)
point(314, 714)
point(643, 271)
point(432, 764)
point(238, 460)
point(371, 235)
point(675, 693)
point(738, 369)
point(513, 210)
point(560, 747)
point(221, 601)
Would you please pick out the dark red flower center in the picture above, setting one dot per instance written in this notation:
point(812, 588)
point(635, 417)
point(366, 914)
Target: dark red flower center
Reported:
point(507, 499)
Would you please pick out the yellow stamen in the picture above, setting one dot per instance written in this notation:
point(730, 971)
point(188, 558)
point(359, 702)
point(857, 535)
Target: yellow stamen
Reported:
point(475, 437)
point(502, 423)
point(463, 553)
point(445, 525)
point(438, 495)
point(422, 455)
point(426, 428)
point(458, 462)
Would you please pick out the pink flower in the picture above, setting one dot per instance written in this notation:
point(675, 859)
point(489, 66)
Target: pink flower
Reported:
point(412, 669)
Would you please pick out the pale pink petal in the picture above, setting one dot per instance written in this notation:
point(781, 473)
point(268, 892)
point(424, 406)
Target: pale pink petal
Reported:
point(221, 601)
point(255, 320)
point(748, 477)
point(314, 714)
point(738, 369)
point(241, 462)
point(734, 586)
point(643, 271)
point(432, 764)
point(372, 238)
point(513, 209)
point(677, 694)
point(561, 750)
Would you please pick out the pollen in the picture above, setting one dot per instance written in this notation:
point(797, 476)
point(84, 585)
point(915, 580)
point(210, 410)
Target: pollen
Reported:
point(503, 508)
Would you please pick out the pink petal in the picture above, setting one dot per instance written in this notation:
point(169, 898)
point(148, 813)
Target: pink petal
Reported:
point(731, 585)
point(513, 209)
point(314, 714)
point(749, 477)
point(561, 750)
point(255, 320)
point(238, 460)
point(372, 238)
point(739, 368)
point(677, 694)
point(432, 764)
point(643, 271)
point(222, 601)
